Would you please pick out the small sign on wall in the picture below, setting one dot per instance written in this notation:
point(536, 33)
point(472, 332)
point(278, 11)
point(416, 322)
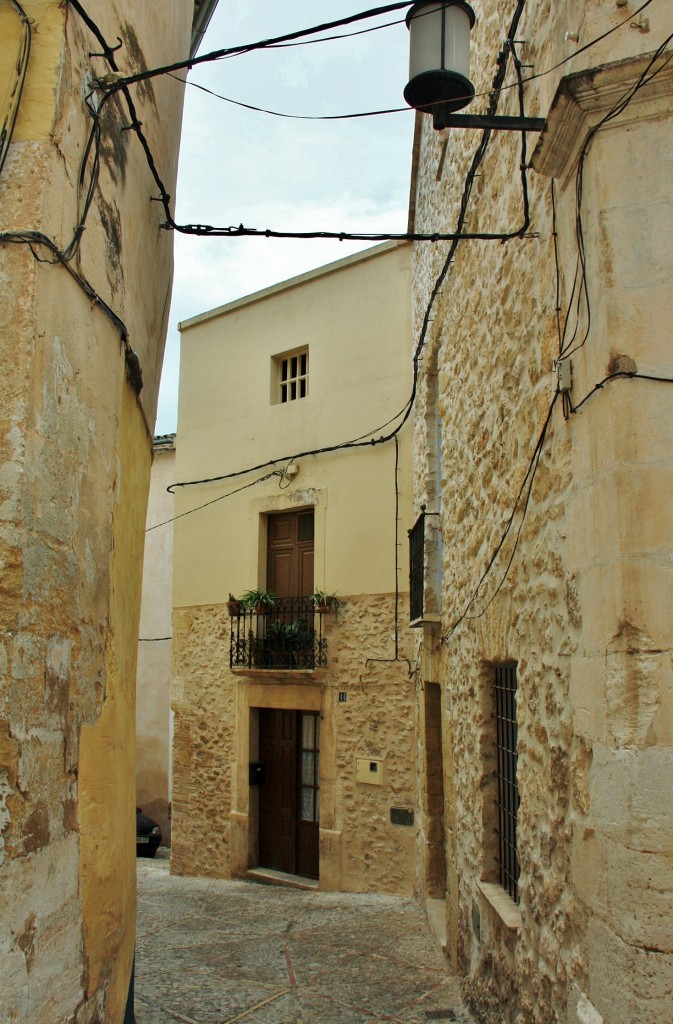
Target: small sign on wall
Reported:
point(369, 770)
point(401, 816)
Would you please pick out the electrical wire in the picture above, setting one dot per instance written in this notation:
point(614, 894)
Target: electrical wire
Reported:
point(497, 89)
point(527, 486)
point(525, 489)
point(214, 501)
point(390, 661)
point(36, 239)
point(234, 231)
point(238, 231)
point(293, 117)
point(633, 374)
point(280, 41)
point(460, 234)
point(646, 76)
point(558, 308)
point(405, 412)
point(341, 35)
point(263, 44)
point(15, 91)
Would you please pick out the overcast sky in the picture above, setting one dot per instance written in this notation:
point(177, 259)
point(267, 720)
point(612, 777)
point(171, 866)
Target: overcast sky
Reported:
point(239, 166)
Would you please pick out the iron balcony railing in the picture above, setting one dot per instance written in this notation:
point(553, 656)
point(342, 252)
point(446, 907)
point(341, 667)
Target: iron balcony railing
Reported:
point(287, 636)
point(417, 567)
point(425, 560)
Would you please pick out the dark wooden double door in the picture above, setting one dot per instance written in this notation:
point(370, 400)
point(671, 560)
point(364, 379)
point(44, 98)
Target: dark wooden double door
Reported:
point(289, 570)
point(289, 798)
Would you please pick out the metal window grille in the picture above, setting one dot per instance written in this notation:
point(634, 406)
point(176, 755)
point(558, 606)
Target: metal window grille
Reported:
point(293, 376)
point(416, 567)
point(508, 791)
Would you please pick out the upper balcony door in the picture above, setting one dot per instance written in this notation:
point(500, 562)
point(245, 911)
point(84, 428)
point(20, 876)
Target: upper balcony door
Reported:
point(289, 563)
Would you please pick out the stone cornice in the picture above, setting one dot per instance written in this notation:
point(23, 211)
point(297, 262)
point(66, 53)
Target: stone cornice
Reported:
point(584, 98)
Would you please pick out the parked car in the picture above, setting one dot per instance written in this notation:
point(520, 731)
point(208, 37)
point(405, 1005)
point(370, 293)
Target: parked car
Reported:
point(148, 835)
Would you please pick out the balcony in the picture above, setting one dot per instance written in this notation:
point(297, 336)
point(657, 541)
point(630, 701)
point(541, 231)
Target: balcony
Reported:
point(287, 636)
point(425, 569)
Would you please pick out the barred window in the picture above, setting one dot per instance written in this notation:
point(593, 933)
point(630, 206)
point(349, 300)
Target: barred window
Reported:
point(508, 790)
point(291, 372)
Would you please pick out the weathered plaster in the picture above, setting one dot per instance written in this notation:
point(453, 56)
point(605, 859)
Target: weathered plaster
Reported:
point(153, 690)
point(75, 455)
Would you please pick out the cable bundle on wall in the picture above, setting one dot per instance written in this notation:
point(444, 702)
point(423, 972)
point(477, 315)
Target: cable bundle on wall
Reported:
point(15, 91)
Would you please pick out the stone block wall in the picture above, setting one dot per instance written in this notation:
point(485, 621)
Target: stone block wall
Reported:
point(580, 608)
point(203, 697)
point(213, 815)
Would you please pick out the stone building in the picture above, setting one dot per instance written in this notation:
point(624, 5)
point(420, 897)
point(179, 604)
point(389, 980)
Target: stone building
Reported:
point(86, 276)
point(153, 675)
point(544, 602)
point(294, 738)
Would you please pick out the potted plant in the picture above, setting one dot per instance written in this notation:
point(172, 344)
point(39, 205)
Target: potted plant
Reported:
point(284, 643)
point(259, 601)
point(324, 602)
point(234, 606)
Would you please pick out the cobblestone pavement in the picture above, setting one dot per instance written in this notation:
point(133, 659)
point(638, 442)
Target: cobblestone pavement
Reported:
point(215, 952)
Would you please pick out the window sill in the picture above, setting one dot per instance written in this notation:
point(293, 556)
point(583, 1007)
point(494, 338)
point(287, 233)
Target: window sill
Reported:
point(503, 905)
point(278, 675)
point(428, 619)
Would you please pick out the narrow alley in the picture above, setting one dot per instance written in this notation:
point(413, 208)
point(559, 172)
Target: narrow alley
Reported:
point(216, 952)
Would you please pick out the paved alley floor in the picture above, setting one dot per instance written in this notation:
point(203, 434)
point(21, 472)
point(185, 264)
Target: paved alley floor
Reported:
point(214, 952)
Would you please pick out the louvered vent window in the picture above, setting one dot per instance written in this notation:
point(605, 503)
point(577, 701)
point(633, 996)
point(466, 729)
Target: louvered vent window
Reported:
point(292, 376)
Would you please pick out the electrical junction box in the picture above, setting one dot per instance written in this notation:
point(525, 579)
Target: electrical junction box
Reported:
point(369, 770)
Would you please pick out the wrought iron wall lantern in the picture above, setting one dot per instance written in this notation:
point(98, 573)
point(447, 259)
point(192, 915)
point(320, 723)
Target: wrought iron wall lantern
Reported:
point(439, 68)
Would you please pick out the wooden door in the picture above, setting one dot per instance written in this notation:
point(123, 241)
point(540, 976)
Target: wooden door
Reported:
point(290, 553)
point(278, 793)
point(289, 799)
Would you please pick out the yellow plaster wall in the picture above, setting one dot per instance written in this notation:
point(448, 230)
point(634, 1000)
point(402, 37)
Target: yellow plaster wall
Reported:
point(75, 453)
point(153, 687)
point(356, 322)
point(37, 110)
point(107, 748)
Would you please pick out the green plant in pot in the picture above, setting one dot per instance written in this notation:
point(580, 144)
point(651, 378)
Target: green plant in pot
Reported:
point(285, 635)
point(234, 605)
point(283, 643)
point(259, 601)
point(324, 602)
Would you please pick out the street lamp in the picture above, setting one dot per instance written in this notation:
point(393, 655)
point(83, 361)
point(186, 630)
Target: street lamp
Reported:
point(439, 68)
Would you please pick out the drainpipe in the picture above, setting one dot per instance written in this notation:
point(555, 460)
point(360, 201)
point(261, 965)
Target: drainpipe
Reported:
point(202, 16)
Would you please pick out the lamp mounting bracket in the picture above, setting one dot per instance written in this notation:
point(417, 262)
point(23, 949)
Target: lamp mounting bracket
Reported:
point(496, 122)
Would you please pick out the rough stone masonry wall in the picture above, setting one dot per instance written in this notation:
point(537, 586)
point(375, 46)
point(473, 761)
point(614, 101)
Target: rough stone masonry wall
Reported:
point(376, 721)
point(492, 343)
point(203, 698)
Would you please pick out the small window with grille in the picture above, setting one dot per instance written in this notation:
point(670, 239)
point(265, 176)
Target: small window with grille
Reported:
point(508, 789)
point(291, 373)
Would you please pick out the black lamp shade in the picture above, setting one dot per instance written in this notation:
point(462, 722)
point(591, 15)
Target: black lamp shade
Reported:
point(439, 61)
